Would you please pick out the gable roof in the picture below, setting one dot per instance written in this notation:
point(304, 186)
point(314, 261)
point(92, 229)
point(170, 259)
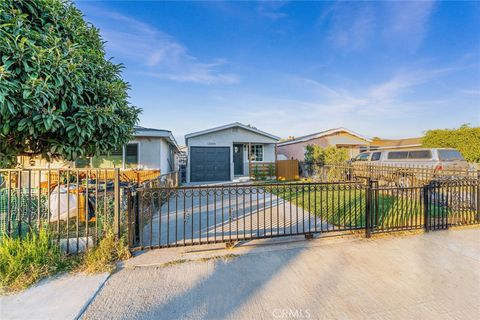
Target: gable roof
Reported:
point(156, 133)
point(323, 134)
point(232, 125)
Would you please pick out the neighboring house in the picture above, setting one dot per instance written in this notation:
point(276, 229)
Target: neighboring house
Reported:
point(224, 153)
point(338, 137)
point(154, 149)
point(382, 144)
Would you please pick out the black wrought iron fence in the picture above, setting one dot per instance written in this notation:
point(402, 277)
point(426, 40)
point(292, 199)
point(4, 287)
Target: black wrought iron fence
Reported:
point(163, 217)
point(180, 216)
point(389, 175)
point(438, 205)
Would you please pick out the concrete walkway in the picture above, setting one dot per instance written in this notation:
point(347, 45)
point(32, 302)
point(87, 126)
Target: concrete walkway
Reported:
point(62, 297)
point(214, 214)
point(432, 275)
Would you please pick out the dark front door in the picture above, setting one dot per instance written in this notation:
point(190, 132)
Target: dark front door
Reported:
point(209, 164)
point(238, 159)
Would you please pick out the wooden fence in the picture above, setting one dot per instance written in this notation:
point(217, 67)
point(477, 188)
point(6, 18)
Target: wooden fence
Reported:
point(287, 170)
point(281, 170)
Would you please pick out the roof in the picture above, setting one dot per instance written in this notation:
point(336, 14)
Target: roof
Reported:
point(156, 133)
point(232, 125)
point(323, 134)
point(390, 143)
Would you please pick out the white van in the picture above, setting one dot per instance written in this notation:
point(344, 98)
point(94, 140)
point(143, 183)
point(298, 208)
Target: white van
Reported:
point(437, 158)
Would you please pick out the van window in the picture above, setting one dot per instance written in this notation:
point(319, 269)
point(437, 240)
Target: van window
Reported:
point(363, 156)
point(376, 156)
point(397, 155)
point(420, 154)
point(449, 155)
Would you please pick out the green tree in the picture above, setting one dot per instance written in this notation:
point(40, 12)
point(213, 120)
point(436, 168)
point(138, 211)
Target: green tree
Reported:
point(59, 96)
point(465, 139)
point(316, 157)
point(320, 156)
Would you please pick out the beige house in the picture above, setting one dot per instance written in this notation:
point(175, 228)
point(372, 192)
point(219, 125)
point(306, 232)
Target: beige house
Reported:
point(338, 137)
point(382, 144)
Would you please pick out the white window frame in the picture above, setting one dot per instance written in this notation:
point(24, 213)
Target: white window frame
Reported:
point(254, 155)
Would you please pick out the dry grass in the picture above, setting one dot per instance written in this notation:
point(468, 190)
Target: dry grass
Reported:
point(105, 255)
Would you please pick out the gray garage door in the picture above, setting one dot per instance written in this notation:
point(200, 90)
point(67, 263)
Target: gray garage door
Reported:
point(209, 164)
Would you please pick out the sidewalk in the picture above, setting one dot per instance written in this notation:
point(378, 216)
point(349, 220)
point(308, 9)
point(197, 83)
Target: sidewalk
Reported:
point(62, 297)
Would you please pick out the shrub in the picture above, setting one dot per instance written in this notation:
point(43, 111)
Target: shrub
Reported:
point(316, 157)
point(465, 139)
point(271, 170)
point(25, 261)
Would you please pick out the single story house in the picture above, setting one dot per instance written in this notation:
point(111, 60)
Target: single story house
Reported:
point(224, 153)
point(384, 144)
point(153, 149)
point(338, 137)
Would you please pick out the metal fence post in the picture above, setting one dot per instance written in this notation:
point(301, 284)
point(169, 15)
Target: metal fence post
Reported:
point(426, 208)
point(368, 208)
point(477, 185)
point(116, 200)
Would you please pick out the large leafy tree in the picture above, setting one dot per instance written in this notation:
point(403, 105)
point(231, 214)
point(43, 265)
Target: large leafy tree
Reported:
point(59, 96)
point(465, 139)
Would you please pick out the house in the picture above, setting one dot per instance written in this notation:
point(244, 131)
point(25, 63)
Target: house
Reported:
point(338, 137)
point(154, 149)
point(226, 152)
point(382, 144)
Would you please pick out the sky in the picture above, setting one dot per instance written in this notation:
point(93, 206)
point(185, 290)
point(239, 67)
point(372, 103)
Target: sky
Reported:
point(387, 69)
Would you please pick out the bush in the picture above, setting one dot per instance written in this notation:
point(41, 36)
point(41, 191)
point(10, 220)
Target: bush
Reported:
point(465, 139)
point(316, 157)
point(25, 261)
point(104, 256)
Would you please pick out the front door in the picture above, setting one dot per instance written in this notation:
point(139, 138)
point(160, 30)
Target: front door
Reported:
point(238, 159)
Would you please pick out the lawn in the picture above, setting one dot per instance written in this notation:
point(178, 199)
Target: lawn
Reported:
point(344, 206)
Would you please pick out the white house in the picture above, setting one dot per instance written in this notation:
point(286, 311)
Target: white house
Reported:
point(224, 153)
point(154, 149)
point(149, 149)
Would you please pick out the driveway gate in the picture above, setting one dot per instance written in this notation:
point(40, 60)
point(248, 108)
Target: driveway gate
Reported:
point(180, 216)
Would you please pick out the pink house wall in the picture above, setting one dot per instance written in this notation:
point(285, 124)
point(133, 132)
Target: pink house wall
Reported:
point(297, 150)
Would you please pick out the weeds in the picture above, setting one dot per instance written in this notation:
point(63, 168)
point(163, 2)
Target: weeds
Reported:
point(26, 261)
point(104, 256)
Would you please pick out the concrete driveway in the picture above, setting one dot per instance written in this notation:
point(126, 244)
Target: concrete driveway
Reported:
point(216, 214)
point(432, 275)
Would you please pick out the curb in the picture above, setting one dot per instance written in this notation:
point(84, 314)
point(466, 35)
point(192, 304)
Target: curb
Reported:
point(90, 300)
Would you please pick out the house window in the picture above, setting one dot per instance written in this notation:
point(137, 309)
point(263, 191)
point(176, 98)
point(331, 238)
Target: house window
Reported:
point(256, 152)
point(131, 155)
point(82, 163)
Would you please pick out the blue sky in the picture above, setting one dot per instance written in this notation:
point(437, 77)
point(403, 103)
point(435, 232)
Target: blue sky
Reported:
point(389, 69)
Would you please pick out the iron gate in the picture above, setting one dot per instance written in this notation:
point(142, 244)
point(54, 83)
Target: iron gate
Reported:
point(181, 216)
point(163, 217)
